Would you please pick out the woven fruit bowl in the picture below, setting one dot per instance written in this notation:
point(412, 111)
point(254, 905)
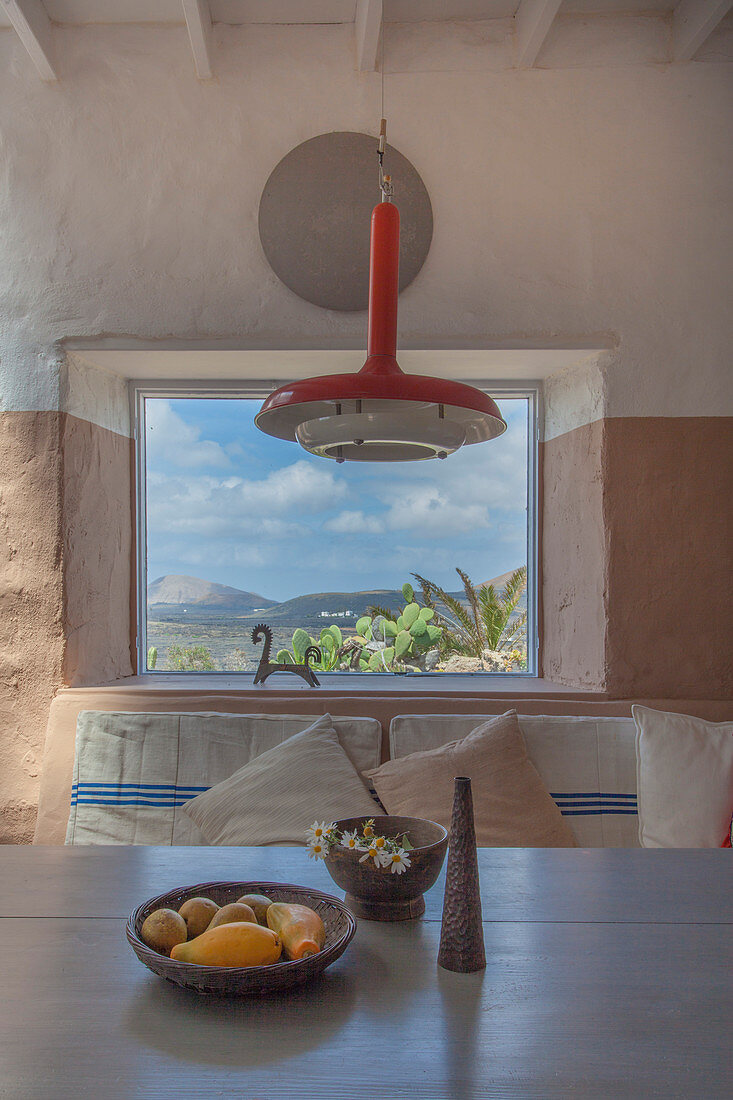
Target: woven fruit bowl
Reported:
point(338, 920)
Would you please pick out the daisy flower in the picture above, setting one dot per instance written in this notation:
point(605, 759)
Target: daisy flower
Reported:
point(317, 850)
point(318, 831)
point(398, 861)
point(351, 841)
point(379, 841)
point(368, 829)
point(375, 854)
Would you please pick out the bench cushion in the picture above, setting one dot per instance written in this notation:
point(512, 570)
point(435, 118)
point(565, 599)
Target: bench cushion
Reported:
point(684, 779)
point(587, 764)
point(512, 808)
point(274, 798)
point(133, 772)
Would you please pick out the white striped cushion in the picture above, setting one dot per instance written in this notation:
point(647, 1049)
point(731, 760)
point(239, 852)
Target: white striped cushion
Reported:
point(133, 772)
point(274, 798)
point(587, 764)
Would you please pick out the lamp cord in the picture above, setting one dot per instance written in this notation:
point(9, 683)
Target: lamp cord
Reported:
point(385, 181)
point(381, 62)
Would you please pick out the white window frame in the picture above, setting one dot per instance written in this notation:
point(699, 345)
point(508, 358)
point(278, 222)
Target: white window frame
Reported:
point(140, 391)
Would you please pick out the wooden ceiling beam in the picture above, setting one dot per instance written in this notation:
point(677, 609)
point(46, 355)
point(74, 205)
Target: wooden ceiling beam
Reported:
point(33, 28)
point(532, 24)
point(198, 20)
point(367, 31)
point(693, 21)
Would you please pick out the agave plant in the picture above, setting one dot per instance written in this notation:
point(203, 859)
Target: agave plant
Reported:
point(484, 621)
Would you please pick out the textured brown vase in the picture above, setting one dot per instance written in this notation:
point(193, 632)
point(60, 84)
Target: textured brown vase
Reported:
point(462, 933)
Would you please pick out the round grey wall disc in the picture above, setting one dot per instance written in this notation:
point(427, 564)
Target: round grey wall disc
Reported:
point(315, 216)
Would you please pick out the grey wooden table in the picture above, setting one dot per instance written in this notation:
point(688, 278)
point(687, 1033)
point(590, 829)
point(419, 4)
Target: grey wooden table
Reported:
point(608, 975)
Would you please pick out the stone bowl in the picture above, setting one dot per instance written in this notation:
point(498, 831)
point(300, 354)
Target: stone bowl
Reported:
point(376, 893)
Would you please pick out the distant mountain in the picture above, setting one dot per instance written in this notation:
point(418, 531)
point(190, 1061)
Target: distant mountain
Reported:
point(350, 605)
point(176, 597)
point(174, 593)
point(498, 582)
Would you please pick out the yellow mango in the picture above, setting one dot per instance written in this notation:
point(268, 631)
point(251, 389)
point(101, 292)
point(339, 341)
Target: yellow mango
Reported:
point(238, 944)
point(301, 929)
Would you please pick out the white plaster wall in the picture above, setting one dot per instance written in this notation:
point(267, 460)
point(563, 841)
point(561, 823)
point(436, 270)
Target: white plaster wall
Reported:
point(573, 397)
point(95, 395)
point(569, 200)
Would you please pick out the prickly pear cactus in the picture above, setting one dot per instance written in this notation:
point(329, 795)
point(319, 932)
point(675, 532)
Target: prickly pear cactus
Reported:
point(387, 644)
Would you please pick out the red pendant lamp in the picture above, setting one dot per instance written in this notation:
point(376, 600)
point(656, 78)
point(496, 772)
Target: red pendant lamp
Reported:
point(381, 414)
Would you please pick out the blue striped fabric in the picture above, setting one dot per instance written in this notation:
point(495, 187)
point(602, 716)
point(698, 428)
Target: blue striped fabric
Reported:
point(159, 795)
point(168, 795)
point(593, 803)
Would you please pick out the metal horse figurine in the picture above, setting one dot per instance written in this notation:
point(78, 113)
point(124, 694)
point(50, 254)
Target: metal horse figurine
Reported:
point(266, 667)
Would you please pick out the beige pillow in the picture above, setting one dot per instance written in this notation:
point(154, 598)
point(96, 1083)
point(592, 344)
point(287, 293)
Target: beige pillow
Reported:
point(512, 807)
point(274, 798)
point(684, 779)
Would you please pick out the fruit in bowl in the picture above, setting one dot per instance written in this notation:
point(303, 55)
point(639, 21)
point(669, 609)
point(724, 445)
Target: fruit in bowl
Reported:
point(239, 943)
point(235, 934)
point(163, 930)
point(301, 929)
point(377, 887)
point(234, 966)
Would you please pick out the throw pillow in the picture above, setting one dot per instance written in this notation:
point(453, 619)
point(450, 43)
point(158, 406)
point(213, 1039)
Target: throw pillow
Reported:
point(684, 779)
point(275, 797)
point(512, 807)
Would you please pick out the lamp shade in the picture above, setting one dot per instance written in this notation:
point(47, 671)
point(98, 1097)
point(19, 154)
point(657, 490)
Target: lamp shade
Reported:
point(381, 414)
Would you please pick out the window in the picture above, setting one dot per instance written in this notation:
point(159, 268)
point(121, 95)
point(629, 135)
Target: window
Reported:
point(236, 528)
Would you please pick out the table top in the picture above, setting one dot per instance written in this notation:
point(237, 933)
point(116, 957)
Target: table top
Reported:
point(608, 975)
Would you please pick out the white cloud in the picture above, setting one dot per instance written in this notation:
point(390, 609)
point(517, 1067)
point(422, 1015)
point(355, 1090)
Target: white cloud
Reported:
point(168, 438)
point(235, 449)
point(414, 507)
point(426, 507)
point(354, 523)
point(300, 488)
point(272, 508)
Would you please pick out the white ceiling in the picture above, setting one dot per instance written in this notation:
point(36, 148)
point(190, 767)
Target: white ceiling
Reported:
point(79, 12)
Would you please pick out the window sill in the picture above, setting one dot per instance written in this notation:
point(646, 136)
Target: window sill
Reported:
point(468, 685)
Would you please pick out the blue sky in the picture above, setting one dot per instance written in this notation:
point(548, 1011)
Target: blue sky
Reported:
point(229, 504)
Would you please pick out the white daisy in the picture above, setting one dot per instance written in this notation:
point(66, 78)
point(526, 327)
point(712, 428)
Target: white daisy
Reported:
point(318, 830)
point(398, 861)
point(351, 841)
point(375, 855)
point(317, 850)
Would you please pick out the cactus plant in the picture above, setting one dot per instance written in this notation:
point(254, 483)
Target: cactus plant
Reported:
point(152, 657)
point(330, 644)
point(390, 641)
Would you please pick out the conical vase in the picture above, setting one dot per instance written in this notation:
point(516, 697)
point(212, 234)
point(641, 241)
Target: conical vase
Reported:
point(462, 934)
